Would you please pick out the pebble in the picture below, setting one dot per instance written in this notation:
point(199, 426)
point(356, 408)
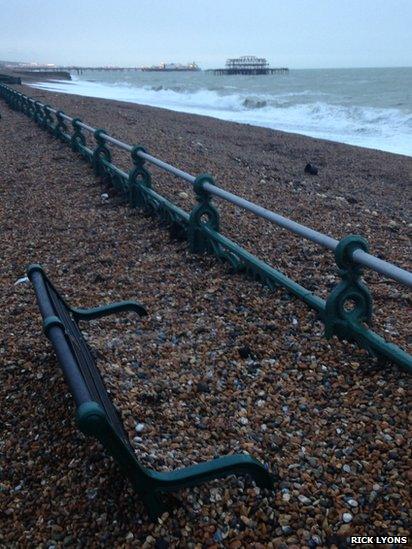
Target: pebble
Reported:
point(347, 517)
point(22, 280)
point(203, 387)
point(245, 352)
point(218, 536)
point(311, 169)
point(352, 502)
point(305, 500)
point(315, 541)
point(139, 427)
point(345, 530)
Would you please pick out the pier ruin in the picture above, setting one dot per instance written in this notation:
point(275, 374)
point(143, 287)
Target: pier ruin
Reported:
point(249, 64)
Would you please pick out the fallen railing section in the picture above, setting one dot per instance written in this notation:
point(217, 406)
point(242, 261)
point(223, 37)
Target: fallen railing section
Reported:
point(347, 311)
point(98, 417)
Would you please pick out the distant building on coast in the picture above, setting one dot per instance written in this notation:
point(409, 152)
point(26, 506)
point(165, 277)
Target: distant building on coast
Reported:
point(249, 64)
point(172, 67)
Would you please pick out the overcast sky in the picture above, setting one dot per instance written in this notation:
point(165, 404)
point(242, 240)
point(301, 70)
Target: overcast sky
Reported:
point(292, 33)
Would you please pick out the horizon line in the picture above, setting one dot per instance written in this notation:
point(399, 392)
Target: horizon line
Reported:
point(96, 66)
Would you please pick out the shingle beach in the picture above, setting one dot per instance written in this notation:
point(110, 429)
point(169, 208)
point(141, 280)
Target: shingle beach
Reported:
point(220, 365)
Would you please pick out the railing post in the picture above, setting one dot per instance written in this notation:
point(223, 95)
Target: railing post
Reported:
point(204, 213)
point(17, 101)
point(31, 111)
point(20, 102)
point(23, 104)
point(350, 302)
point(38, 113)
point(101, 152)
point(60, 128)
point(12, 100)
point(138, 177)
point(77, 138)
point(47, 122)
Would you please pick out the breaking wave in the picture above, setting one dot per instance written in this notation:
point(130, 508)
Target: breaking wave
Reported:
point(304, 112)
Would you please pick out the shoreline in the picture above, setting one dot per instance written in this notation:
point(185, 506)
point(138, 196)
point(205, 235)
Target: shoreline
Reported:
point(32, 86)
point(251, 116)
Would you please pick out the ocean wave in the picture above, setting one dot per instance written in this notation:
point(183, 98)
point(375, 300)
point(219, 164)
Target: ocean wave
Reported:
point(250, 103)
point(382, 128)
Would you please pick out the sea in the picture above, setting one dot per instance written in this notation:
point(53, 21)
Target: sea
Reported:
point(369, 107)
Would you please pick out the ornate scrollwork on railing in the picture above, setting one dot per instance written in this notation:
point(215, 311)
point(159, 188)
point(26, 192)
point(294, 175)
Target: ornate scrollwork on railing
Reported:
point(77, 139)
point(48, 122)
point(60, 129)
point(139, 178)
point(203, 214)
point(101, 153)
point(350, 302)
point(38, 113)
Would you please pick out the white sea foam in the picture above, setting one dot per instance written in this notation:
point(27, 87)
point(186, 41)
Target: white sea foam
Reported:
point(300, 111)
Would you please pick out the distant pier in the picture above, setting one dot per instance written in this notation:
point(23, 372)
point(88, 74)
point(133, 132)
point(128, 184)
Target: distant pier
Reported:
point(68, 69)
point(249, 65)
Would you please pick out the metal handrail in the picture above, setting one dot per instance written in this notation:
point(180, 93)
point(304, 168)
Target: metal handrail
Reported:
point(117, 142)
point(66, 117)
point(152, 159)
point(86, 127)
point(167, 167)
point(359, 256)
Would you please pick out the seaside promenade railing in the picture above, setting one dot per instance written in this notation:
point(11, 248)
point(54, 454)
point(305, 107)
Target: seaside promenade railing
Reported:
point(347, 311)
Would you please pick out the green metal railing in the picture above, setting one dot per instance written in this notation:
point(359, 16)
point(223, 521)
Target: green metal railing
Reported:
point(347, 311)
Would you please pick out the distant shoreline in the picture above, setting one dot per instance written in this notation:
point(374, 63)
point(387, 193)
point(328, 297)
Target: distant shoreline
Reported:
point(41, 76)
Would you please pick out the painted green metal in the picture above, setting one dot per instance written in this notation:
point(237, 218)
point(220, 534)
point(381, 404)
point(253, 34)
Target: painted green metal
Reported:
point(47, 122)
point(141, 195)
point(38, 113)
point(241, 260)
point(171, 216)
point(139, 179)
point(96, 415)
point(104, 310)
point(150, 484)
point(77, 139)
point(204, 214)
point(346, 313)
point(100, 153)
point(350, 302)
point(60, 128)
